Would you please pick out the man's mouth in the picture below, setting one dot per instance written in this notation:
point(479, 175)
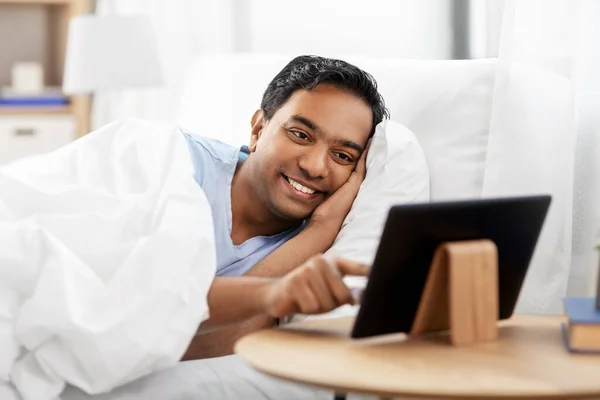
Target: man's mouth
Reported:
point(299, 187)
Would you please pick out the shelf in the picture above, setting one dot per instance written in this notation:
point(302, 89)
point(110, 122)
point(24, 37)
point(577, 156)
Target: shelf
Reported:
point(43, 26)
point(38, 2)
point(8, 110)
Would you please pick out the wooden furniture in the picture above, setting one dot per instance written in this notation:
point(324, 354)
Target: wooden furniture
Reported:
point(461, 293)
point(36, 30)
point(21, 136)
point(529, 360)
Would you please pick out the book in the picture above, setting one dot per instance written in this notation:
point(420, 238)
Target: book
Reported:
point(32, 102)
point(598, 292)
point(50, 96)
point(582, 331)
point(598, 278)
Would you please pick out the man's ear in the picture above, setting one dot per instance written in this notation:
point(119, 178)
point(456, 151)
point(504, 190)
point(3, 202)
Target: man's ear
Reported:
point(257, 123)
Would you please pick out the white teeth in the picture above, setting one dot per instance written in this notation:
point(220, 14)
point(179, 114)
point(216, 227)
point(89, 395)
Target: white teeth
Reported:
point(299, 187)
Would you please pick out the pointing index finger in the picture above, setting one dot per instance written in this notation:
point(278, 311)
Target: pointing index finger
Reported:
point(348, 267)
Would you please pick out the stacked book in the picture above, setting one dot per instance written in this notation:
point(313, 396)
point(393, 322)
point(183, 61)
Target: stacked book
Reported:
point(582, 330)
point(48, 97)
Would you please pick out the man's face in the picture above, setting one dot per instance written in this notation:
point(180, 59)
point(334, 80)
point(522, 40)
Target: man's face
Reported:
point(308, 149)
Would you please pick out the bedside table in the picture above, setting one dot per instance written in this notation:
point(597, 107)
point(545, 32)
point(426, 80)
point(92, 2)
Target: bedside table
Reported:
point(529, 360)
point(25, 135)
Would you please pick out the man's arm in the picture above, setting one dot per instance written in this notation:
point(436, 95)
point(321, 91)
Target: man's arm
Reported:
point(315, 287)
point(312, 240)
point(317, 237)
point(225, 309)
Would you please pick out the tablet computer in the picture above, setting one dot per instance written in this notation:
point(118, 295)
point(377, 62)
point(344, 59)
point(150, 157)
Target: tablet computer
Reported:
point(413, 232)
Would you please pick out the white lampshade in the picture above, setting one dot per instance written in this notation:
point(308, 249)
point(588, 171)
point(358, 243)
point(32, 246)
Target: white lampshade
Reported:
point(110, 52)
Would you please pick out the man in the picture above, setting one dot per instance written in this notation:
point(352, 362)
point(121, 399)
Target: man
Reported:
point(283, 199)
point(275, 205)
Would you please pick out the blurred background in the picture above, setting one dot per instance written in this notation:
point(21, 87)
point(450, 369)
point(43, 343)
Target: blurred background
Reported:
point(410, 29)
point(33, 36)
point(70, 66)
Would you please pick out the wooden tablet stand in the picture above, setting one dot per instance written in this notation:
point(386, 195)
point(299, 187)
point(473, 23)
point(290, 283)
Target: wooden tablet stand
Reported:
point(461, 293)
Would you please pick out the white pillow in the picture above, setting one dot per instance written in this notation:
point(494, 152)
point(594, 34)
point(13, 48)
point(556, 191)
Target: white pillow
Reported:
point(397, 173)
point(447, 105)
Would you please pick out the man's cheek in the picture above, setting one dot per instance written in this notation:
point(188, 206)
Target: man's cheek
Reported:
point(342, 179)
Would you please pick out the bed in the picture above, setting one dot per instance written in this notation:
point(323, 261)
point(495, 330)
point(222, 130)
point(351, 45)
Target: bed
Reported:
point(223, 378)
point(430, 97)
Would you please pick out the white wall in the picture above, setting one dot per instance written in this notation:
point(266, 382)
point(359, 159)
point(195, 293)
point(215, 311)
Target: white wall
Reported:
point(400, 28)
point(187, 29)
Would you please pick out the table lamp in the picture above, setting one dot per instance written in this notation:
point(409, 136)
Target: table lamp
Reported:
point(110, 52)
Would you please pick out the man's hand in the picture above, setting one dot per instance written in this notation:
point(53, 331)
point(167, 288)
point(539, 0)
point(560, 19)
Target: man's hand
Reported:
point(333, 211)
point(313, 288)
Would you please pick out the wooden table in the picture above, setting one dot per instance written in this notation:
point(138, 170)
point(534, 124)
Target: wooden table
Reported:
point(528, 361)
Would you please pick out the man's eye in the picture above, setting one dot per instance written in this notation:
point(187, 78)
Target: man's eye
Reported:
point(299, 135)
point(343, 157)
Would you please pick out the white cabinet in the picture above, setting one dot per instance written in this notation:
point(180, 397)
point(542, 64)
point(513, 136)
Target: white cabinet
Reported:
point(21, 136)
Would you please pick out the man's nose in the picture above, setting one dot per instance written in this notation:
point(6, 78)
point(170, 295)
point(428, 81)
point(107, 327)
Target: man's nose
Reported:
point(314, 163)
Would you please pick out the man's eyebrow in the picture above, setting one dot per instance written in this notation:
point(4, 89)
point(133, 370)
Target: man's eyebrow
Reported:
point(350, 144)
point(305, 121)
point(343, 142)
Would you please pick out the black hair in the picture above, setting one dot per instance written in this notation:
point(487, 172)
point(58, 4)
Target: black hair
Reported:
point(306, 72)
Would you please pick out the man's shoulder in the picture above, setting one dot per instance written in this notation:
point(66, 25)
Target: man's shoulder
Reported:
point(205, 147)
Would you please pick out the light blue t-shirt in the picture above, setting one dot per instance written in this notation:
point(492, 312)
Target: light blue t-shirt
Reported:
point(215, 163)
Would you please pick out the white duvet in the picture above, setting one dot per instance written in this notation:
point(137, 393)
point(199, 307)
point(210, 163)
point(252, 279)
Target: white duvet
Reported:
point(106, 258)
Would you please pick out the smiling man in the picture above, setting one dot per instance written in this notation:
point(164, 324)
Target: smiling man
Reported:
point(283, 198)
